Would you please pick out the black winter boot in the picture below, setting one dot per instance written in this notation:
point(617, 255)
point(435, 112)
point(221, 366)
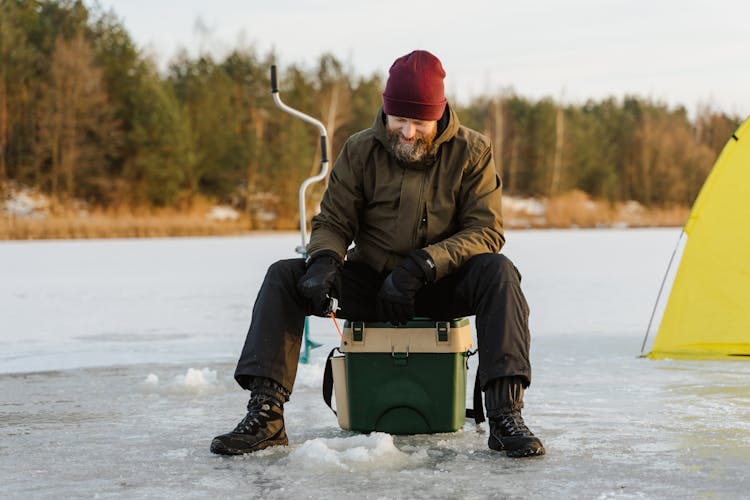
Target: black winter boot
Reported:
point(503, 398)
point(263, 426)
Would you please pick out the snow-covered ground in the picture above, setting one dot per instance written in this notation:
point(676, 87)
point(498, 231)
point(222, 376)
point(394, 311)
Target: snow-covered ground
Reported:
point(116, 361)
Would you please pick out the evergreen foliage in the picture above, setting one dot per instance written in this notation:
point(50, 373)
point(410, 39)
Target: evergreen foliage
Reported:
point(84, 114)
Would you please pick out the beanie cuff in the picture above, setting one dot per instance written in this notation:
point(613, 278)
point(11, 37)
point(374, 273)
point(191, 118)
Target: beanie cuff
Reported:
point(413, 109)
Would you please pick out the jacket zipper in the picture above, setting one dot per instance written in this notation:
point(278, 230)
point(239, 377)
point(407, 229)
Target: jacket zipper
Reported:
point(421, 232)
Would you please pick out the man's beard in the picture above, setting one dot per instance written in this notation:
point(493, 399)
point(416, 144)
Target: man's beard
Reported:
point(410, 153)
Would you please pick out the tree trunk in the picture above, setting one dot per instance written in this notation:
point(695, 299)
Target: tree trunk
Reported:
point(646, 159)
point(513, 169)
point(331, 123)
point(499, 131)
point(3, 133)
point(559, 142)
point(258, 119)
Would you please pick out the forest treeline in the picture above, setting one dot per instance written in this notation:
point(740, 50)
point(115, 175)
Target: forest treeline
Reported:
point(85, 115)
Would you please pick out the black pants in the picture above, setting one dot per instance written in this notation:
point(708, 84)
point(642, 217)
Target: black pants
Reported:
point(487, 286)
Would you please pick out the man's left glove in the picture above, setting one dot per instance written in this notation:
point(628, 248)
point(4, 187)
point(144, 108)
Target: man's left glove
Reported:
point(321, 280)
point(396, 296)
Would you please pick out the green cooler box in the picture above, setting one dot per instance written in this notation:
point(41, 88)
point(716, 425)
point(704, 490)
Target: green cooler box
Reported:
point(408, 379)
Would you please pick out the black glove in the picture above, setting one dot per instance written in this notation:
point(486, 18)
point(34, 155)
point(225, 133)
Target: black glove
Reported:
point(321, 280)
point(396, 296)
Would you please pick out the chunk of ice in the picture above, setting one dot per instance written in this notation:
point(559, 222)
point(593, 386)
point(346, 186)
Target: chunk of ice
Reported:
point(373, 451)
point(204, 377)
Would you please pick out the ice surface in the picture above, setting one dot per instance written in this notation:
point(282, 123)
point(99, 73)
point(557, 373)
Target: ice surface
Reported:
point(116, 364)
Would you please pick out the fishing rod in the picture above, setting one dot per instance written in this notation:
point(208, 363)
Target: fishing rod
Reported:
point(302, 249)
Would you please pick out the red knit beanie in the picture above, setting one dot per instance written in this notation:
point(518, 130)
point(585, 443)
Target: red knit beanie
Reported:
point(415, 87)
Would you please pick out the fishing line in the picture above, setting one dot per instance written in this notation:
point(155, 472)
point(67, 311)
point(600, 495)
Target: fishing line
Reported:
point(333, 317)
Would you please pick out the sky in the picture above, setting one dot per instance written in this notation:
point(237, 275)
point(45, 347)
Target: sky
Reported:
point(692, 53)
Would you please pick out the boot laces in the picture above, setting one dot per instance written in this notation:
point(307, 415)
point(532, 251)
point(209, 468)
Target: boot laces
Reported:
point(257, 414)
point(514, 425)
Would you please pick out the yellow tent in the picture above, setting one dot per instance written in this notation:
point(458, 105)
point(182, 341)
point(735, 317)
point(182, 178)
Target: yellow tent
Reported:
point(708, 311)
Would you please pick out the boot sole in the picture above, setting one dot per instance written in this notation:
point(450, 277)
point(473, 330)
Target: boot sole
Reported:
point(533, 450)
point(219, 448)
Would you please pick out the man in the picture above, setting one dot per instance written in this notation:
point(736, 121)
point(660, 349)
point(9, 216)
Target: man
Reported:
point(419, 196)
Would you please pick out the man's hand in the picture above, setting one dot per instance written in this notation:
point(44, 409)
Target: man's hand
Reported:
point(396, 296)
point(321, 280)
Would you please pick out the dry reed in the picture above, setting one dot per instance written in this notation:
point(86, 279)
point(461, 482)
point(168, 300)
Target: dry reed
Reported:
point(572, 209)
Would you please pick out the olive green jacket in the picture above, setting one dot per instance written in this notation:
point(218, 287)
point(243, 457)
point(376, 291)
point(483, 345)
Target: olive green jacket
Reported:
point(449, 204)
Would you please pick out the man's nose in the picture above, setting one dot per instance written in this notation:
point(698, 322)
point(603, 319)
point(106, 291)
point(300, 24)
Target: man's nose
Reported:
point(408, 130)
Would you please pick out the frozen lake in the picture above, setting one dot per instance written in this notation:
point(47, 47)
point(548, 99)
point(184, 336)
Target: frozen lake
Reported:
point(116, 361)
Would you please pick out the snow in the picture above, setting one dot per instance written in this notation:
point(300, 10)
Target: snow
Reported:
point(223, 213)
point(354, 453)
point(528, 206)
point(24, 202)
point(117, 359)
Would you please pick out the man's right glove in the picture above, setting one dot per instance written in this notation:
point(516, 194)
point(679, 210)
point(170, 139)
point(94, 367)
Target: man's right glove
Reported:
point(321, 280)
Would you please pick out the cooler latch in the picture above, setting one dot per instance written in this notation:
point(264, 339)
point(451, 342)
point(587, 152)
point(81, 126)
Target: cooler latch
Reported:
point(442, 330)
point(399, 354)
point(358, 331)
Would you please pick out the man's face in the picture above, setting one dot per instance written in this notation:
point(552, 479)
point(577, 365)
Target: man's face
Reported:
point(410, 139)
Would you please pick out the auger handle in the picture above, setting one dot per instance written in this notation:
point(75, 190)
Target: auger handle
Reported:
point(274, 81)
